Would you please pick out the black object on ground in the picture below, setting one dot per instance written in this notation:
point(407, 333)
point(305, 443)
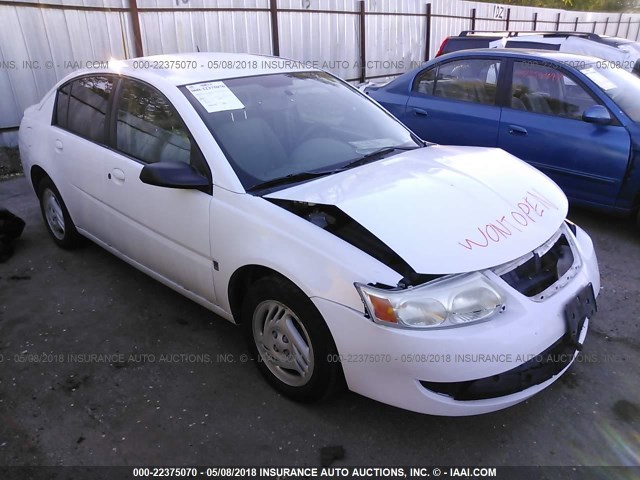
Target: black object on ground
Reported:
point(11, 227)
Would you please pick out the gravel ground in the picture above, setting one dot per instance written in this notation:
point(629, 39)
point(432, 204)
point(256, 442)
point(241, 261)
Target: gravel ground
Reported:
point(10, 165)
point(56, 410)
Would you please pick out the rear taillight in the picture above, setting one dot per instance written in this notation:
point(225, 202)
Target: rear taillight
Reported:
point(442, 45)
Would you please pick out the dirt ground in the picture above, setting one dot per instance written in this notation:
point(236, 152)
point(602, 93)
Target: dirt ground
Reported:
point(165, 390)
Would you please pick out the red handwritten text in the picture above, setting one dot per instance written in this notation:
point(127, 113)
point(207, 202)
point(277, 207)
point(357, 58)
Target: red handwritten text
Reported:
point(527, 212)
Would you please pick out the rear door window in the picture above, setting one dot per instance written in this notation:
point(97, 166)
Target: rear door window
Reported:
point(84, 103)
point(468, 80)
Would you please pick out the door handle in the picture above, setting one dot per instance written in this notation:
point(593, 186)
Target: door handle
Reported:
point(420, 112)
point(59, 146)
point(117, 174)
point(516, 130)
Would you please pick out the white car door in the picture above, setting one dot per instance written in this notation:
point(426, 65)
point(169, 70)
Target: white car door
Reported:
point(78, 146)
point(164, 229)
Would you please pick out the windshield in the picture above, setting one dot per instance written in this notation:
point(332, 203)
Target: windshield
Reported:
point(621, 86)
point(279, 125)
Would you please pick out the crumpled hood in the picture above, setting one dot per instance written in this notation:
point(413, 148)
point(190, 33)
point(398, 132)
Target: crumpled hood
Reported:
point(446, 209)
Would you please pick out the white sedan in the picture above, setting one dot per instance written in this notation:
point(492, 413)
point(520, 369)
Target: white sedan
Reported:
point(439, 279)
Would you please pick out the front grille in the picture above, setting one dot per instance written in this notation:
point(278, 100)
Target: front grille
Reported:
point(543, 269)
point(537, 370)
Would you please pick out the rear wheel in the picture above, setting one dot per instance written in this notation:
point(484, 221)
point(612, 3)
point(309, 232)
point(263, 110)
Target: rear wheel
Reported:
point(290, 341)
point(56, 216)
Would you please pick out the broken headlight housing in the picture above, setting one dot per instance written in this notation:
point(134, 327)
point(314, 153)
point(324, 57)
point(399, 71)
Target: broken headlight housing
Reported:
point(451, 301)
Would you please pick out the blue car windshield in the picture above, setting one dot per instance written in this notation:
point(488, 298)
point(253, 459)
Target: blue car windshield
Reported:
point(621, 86)
point(280, 125)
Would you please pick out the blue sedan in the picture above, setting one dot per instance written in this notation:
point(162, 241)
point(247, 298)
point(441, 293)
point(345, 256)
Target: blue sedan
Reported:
point(573, 117)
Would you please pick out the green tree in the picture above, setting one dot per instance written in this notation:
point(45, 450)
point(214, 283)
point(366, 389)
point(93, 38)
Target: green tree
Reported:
point(580, 5)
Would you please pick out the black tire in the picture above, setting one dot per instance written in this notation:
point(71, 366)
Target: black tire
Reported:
point(326, 373)
point(65, 236)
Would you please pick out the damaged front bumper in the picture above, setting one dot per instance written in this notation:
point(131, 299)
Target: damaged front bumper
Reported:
point(478, 368)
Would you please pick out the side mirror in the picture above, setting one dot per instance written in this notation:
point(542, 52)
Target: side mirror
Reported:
point(597, 114)
point(173, 175)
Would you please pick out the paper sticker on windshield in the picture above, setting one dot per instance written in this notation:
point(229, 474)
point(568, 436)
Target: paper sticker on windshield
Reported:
point(599, 79)
point(215, 97)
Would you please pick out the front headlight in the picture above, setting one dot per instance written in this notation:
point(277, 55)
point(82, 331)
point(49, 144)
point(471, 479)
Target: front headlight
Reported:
point(448, 302)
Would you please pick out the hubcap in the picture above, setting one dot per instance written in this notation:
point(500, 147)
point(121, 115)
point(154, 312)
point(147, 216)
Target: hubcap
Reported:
point(283, 343)
point(53, 214)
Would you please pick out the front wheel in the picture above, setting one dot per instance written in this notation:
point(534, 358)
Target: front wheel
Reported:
point(56, 216)
point(290, 341)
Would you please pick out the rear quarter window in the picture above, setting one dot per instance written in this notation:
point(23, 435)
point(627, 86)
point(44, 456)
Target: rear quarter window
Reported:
point(466, 43)
point(62, 106)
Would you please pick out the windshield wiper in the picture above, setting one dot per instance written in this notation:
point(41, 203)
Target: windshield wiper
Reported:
point(288, 179)
point(373, 155)
point(302, 176)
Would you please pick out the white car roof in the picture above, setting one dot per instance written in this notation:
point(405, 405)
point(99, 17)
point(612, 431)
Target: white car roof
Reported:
point(186, 68)
point(577, 45)
point(204, 66)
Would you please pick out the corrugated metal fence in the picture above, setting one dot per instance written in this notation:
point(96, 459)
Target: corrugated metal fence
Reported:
point(42, 42)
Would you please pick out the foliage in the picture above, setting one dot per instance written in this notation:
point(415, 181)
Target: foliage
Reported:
point(579, 5)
